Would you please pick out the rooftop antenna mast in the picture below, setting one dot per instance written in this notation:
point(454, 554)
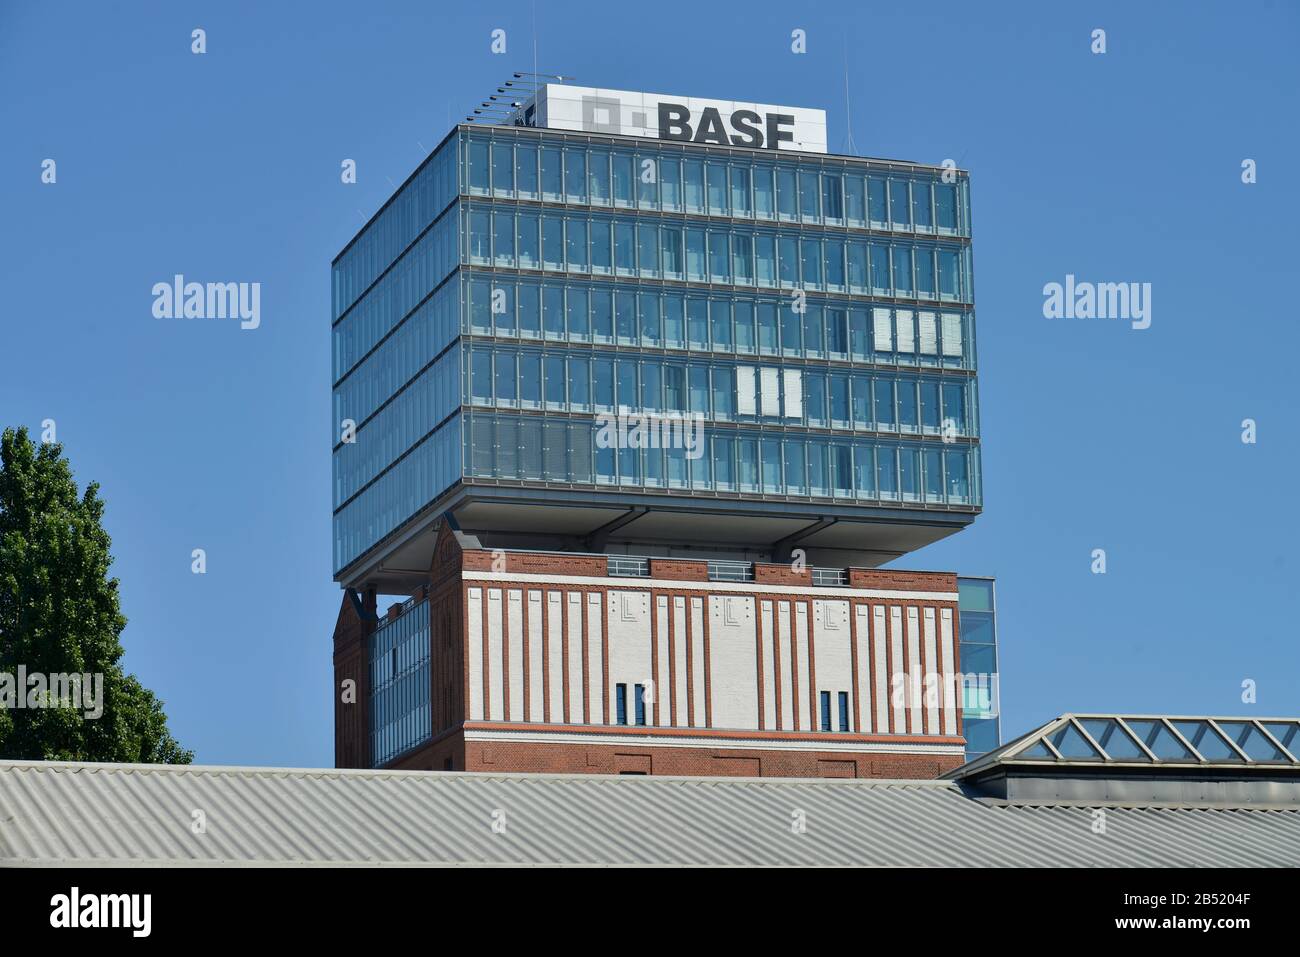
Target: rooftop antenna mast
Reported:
point(851, 146)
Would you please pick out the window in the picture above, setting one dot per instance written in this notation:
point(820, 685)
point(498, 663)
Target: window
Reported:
point(826, 710)
point(945, 204)
point(765, 259)
point(647, 241)
point(602, 250)
point(623, 178)
point(716, 174)
point(553, 311)
point(478, 168)
point(832, 198)
point(624, 250)
point(765, 196)
point(855, 199)
point(525, 170)
point(693, 174)
point(786, 202)
point(695, 265)
point(899, 205)
point(921, 206)
point(719, 257)
point(530, 379)
point(640, 704)
point(794, 467)
point(602, 315)
point(808, 196)
point(720, 322)
point(902, 256)
point(670, 183)
point(954, 406)
point(948, 274)
point(575, 175)
point(552, 242)
point(599, 172)
point(527, 241)
point(552, 175)
point(877, 210)
point(884, 404)
point(844, 711)
point(503, 169)
point(576, 245)
point(651, 328)
point(671, 247)
point(620, 704)
point(740, 191)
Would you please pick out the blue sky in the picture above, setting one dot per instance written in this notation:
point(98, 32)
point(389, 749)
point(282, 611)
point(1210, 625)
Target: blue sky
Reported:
point(1117, 167)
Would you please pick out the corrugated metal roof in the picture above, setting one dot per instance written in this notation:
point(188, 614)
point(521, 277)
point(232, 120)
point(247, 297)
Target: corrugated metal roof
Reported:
point(80, 814)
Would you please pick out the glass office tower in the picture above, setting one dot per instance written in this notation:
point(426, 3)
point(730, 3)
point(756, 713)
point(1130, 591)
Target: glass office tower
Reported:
point(813, 313)
point(978, 651)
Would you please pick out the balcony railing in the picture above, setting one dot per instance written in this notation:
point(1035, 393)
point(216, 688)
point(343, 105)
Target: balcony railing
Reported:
point(830, 577)
point(629, 567)
point(731, 571)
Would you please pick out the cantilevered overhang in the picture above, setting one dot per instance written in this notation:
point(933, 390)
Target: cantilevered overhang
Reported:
point(832, 534)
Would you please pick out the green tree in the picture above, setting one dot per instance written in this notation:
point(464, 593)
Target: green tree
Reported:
point(59, 614)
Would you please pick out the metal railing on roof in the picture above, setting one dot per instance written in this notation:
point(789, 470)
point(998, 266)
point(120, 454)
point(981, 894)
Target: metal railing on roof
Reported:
point(730, 571)
point(830, 577)
point(630, 567)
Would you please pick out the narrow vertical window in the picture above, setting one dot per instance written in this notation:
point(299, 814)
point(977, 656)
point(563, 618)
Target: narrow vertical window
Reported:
point(620, 703)
point(826, 710)
point(639, 691)
point(844, 711)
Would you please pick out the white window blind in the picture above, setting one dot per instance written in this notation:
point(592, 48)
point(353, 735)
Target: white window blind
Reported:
point(745, 390)
point(952, 334)
point(905, 330)
point(928, 329)
point(883, 337)
point(793, 393)
point(770, 390)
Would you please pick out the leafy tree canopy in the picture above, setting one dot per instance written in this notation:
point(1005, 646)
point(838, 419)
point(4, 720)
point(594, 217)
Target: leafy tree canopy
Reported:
point(59, 615)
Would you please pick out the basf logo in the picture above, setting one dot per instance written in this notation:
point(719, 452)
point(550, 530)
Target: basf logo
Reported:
point(684, 119)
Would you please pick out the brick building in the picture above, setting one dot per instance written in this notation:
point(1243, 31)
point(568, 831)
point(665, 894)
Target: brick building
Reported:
point(634, 394)
point(527, 661)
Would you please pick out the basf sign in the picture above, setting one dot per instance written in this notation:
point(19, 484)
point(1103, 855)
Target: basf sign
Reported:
point(685, 119)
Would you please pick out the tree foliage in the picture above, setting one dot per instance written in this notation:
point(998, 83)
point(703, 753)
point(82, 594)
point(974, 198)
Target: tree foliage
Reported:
point(60, 614)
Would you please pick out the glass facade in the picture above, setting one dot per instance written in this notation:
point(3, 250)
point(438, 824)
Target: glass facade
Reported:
point(978, 651)
point(400, 716)
point(814, 312)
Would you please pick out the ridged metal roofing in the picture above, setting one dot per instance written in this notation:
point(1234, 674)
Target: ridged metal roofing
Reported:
point(79, 814)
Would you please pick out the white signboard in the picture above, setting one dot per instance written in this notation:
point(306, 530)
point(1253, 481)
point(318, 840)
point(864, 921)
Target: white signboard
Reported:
point(685, 119)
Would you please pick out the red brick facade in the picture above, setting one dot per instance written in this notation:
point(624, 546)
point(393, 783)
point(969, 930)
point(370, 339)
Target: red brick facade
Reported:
point(527, 651)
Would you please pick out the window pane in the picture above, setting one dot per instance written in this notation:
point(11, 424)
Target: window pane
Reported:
point(575, 175)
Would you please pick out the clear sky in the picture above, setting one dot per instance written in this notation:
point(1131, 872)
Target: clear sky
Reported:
point(1119, 167)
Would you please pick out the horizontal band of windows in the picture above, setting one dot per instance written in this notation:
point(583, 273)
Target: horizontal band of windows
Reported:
point(570, 451)
point(733, 256)
point(785, 188)
point(506, 377)
point(390, 300)
point(412, 482)
point(382, 241)
point(403, 354)
point(412, 414)
point(731, 322)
